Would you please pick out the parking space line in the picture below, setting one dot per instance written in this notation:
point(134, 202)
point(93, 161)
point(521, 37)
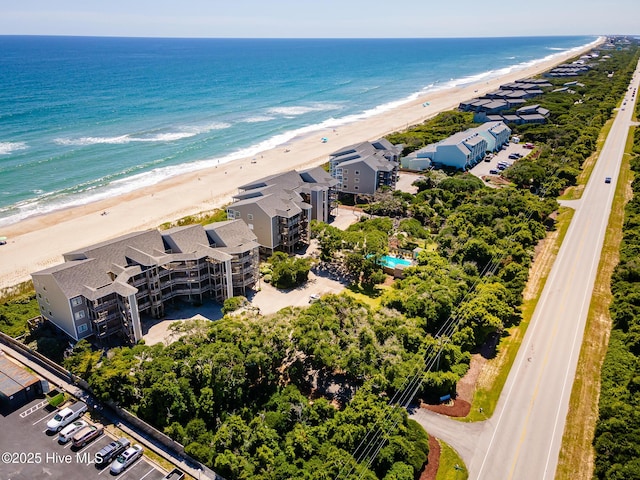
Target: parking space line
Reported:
point(150, 471)
point(130, 467)
point(105, 468)
point(44, 418)
point(35, 408)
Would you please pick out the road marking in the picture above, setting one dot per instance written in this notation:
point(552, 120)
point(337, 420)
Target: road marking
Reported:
point(44, 418)
point(542, 369)
point(35, 408)
point(150, 471)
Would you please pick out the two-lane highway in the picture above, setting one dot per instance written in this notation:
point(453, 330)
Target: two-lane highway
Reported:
point(522, 440)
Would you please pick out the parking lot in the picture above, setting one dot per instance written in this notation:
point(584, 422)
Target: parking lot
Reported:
point(484, 168)
point(28, 451)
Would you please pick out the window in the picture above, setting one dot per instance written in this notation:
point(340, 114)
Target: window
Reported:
point(76, 301)
point(355, 188)
point(344, 187)
point(357, 180)
point(249, 216)
point(357, 172)
point(82, 328)
point(345, 171)
point(79, 315)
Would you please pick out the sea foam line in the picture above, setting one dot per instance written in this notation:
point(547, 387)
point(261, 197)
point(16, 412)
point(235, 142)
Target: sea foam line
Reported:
point(9, 147)
point(42, 205)
point(185, 132)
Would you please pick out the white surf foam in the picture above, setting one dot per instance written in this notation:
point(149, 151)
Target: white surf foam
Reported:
point(9, 147)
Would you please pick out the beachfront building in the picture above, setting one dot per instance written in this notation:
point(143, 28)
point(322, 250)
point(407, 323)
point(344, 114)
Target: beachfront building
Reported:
point(278, 209)
point(363, 168)
point(462, 150)
point(496, 134)
point(104, 289)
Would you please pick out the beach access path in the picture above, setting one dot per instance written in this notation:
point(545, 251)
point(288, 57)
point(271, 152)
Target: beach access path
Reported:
point(39, 242)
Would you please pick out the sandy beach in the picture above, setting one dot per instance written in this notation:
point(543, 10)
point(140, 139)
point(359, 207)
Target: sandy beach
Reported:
point(39, 242)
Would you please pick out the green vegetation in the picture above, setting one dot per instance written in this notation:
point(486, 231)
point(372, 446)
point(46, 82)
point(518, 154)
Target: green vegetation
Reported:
point(295, 394)
point(451, 465)
point(287, 272)
point(16, 308)
point(571, 135)
point(204, 218)
point(438, 128)
point(232, 304)
point(617, 435)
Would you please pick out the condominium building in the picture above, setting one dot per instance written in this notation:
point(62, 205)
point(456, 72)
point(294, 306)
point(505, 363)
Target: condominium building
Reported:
point(278, 209)
point(365, 167)
point(462, 150)
point(104, 289)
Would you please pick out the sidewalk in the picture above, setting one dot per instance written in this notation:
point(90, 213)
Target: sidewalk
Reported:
point(199, 472)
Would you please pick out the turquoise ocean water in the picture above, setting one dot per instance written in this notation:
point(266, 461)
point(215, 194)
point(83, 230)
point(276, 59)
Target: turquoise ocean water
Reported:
point(85, 118)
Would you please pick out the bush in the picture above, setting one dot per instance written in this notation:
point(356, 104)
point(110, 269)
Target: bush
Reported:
point(232, 304)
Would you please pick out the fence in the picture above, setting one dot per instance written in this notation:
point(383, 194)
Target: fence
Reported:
point(154, 434)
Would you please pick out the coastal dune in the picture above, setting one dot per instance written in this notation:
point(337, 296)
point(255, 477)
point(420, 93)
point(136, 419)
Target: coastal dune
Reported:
point(39, 242)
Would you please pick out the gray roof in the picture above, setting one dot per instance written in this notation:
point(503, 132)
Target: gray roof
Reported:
point(231, 233)
point(14, 378)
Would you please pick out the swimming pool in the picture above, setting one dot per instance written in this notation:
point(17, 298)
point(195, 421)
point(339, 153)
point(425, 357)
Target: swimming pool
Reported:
point(392, 262)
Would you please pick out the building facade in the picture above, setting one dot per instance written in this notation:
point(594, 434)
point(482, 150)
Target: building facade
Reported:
point(102, 290)
point(462, 150)
point(278, 209)
point(363, 168)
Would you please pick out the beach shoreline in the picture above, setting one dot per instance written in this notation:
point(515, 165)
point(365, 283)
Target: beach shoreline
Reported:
point(38, 242)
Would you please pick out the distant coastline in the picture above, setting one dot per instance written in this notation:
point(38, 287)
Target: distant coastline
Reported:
point(39, 242)
point(166, 149)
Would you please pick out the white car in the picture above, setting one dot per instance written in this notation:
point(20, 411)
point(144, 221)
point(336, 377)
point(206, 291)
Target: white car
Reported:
point(70, 430)
point(314, 297)
point(125, 459)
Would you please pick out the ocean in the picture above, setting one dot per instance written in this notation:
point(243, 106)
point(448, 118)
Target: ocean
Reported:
point(87, 118)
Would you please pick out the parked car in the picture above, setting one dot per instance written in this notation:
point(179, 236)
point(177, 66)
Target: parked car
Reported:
point(530, 146)
point(87, 434)
point(314, 297)
point(65, 416)
point(125, 459)
point(107, 453)
point(70, 430)
point(513, 156)
point(494, 172)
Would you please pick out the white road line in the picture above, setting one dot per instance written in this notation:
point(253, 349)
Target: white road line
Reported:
point(150, 471)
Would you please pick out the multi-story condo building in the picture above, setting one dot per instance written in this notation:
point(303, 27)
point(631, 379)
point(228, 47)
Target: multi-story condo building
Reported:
point(363, 168)
point(104, 289)
point(279, 208)
point(462, 150)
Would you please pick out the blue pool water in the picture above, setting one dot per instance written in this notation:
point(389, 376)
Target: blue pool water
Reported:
point(392, 262)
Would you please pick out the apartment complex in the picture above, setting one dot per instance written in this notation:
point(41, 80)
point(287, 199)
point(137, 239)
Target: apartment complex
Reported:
point(278, 209)
point(363, 168)
point(462, 150)
point(104, 289)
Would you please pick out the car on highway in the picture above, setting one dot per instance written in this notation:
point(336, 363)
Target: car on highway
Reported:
point(607, 180)
point(107, 453)
point(70, 430)
point(126, 459)
point(86, 435)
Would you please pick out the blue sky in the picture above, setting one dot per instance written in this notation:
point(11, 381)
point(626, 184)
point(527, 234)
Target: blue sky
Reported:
point(324, 18)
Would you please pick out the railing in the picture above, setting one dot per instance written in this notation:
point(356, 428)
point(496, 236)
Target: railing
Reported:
point(156, 435)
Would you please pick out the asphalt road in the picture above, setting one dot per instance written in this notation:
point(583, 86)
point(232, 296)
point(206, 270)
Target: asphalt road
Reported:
point(522, 439)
